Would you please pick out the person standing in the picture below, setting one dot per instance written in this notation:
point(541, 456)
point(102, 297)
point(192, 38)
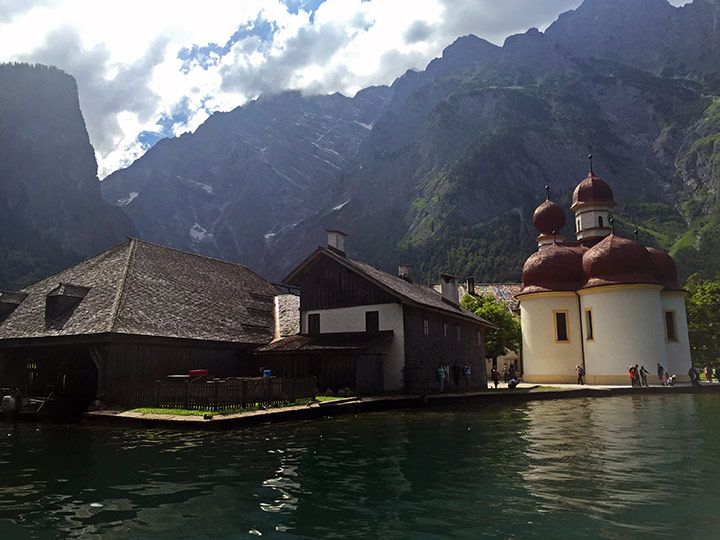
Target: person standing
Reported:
point(660, 372)
point(631, 373)
point(441, 373)
point(467, 372)
point(636, 375)
point(456, 374)
point(580, 373)
point(495, 376)
point(643, 375)
point(512, 373)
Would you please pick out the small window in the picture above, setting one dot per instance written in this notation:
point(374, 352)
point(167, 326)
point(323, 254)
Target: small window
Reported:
point(314, 323)
point(589, 336)
point(578, 225)
point(479, 337)
point(561, 328)
point(457, 333)
point(426, 327)
point(600, 221)
point(445, 329)
point(372, 321)
point(670, 326)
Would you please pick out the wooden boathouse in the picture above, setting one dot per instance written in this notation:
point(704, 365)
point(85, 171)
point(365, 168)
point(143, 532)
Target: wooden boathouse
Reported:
point(130, 316)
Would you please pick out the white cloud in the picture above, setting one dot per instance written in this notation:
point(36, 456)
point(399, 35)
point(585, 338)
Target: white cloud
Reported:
point(124, 55)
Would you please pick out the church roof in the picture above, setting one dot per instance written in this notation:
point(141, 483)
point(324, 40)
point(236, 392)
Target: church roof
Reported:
point(592, 190)
point(549, 218)
point(139, 288)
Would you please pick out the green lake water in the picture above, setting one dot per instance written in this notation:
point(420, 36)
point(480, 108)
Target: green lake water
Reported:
point(621, 467)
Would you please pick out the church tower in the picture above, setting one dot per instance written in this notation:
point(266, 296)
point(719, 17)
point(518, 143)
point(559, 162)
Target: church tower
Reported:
point(592, 201)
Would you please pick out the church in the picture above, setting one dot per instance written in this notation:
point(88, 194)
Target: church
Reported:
point(603, 302)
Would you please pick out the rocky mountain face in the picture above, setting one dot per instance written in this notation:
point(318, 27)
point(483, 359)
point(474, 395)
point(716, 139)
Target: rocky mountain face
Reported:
point(51, 211)
point(443, 169)
point(247, 175)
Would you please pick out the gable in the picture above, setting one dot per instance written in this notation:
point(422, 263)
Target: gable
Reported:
point(325, 284)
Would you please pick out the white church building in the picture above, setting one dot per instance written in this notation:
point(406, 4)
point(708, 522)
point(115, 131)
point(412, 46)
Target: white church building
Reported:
point(602, 302)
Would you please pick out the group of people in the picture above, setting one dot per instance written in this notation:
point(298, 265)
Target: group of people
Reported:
point(638, 376)
point(510, 376)
point(444, 372)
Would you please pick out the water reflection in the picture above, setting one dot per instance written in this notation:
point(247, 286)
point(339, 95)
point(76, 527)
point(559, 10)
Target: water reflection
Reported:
point(603, 468)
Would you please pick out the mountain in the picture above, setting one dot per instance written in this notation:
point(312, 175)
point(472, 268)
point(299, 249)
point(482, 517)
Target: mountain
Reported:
point(51, 211)
point(246, 175)
point(443, 169)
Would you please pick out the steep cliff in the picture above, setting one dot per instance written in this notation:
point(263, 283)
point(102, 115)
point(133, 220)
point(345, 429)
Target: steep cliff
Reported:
point(51, 210)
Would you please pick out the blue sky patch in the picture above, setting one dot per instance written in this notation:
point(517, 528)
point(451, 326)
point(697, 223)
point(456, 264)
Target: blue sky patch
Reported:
point(210, 55)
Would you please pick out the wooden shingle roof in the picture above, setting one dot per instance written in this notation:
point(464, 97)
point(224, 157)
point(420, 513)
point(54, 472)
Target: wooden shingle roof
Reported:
point(139, 288)
point(413, 294)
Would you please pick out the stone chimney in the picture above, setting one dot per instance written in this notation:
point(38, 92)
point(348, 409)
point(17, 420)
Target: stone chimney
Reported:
point(449, 289)
point(336, 241)
point(405, 272)
point(471, 286)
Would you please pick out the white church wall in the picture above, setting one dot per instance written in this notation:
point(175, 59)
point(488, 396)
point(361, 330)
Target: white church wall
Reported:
point(627, 330)
point(544, 358)
point(678, 352)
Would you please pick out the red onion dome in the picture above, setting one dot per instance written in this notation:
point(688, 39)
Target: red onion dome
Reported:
point(549, 218)
point(616, 260)
point(592, 189)
point(664, 267)
point(555, 268)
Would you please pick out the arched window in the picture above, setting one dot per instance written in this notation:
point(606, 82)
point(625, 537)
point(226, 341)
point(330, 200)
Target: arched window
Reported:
point(600, 221)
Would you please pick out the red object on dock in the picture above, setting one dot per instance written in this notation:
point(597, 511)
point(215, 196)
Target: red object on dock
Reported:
point(197, 372)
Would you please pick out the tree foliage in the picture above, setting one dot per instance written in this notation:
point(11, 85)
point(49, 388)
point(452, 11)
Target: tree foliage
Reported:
point(507, 335)
point(703, 310)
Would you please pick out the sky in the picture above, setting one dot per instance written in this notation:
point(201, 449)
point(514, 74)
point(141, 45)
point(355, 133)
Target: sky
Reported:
point(149, 69)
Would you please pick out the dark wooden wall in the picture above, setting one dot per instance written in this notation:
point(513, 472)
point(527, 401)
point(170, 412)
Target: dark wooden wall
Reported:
point(69, 370)
point(434, 348)
point(328, 284)
point(363, 373)
point(145, 363)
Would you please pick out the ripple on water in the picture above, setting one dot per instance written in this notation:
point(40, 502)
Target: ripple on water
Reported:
point(603, 468)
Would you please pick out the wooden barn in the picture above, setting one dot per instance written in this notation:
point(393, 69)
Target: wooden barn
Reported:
point(374, 331)
point(129, 316)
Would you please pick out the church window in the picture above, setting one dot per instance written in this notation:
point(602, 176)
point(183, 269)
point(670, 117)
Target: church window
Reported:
point(589, 331)
point(578, 225)
point(600, 221)
point(561, 326)
point(445, 329)
point(426, 327)
point(671, 333)
point(457, 333)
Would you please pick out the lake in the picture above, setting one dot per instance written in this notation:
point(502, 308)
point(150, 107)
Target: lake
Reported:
point(620, 467)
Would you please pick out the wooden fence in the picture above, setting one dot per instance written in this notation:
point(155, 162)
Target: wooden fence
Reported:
point(217, 395)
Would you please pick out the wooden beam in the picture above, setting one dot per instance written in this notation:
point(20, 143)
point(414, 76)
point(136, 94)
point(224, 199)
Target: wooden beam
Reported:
point(99, 357)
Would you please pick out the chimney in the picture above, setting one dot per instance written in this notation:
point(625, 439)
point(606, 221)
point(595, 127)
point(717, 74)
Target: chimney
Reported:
point(405, 272)
point(449, 289)
point(471, 286)
point(336, 241)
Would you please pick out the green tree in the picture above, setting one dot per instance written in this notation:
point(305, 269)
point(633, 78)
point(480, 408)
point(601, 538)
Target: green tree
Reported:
point(507, 335)
point(703, 310)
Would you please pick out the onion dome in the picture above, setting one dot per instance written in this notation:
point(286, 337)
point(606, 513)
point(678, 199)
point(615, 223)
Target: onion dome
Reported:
point(665, 269)
point(549, 218)
point(616, 260)
point(557, 268)
point(592, 190)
